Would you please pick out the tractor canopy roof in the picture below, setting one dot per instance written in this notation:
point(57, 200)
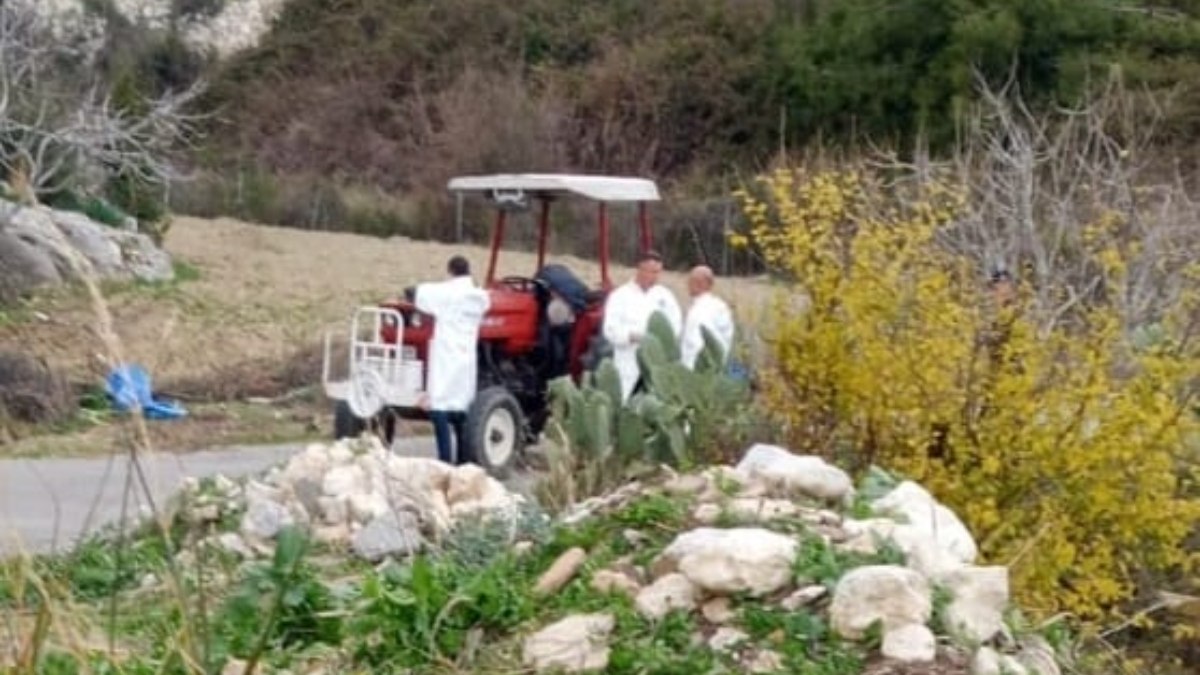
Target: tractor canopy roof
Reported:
point(599, 188)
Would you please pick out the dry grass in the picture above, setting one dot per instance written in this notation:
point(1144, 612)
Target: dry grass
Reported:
point(207, 425)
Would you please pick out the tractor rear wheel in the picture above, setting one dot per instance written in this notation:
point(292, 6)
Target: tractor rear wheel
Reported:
point(494, 431)
point(348, 425)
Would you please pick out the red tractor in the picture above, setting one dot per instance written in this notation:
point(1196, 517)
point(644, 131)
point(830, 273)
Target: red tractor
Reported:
point(538, 327)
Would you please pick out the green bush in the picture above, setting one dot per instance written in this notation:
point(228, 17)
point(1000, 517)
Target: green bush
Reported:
point(143, 200)
point(98, 209)
point(673, 88)
point(850, 69)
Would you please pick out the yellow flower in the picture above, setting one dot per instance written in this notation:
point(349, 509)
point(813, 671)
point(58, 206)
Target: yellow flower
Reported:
point(1075, 485)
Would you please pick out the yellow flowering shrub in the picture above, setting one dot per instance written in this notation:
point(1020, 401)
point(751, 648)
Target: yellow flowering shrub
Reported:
point(1065, 450)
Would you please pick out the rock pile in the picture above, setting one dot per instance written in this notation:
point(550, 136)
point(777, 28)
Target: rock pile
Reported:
point(902, 576)
point(360, 495)
point(33, 239)
point(709, 568)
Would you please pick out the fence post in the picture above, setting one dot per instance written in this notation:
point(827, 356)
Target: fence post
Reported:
point(725, 242)
point(458, 215)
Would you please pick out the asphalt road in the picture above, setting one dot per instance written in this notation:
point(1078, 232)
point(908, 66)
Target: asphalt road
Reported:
point(47, 504)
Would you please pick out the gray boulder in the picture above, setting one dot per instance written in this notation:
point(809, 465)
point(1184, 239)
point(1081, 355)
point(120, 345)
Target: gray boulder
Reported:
point(23, 267)
point(391, 534)
point(38, 245)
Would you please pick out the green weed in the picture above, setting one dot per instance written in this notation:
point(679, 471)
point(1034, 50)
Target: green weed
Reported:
point(185, 271)
point(276, 606)
point(99, 568)
point(803, 639)
point(422, 613)
point(942, 597)
point(664, 647)
point(820, 563)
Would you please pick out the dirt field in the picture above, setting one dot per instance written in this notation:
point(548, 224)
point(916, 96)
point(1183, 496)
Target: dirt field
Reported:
point(248, 315)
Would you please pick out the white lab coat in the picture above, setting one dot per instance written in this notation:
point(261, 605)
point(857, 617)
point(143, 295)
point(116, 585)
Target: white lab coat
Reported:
point(707, 311)
point(627, 311)
point(457, 307)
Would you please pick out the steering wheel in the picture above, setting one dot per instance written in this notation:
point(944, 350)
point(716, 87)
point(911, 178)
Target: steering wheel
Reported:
point(523, 284)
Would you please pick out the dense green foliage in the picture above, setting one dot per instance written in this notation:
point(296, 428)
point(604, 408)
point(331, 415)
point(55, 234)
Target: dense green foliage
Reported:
point(390, 97)
point(665, 87)
point(898, 68)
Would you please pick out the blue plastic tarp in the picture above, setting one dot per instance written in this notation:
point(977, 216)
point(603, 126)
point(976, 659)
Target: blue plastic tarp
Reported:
point(128, 388)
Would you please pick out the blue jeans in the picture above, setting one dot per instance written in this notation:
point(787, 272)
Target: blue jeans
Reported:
point(443, 422)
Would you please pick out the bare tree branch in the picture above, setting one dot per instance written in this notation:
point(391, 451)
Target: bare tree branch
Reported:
point(1047, 191)
point(61, 133)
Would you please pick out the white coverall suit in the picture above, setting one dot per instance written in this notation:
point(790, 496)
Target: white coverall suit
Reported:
point(627, 312)
point(457, 307)
point(707, 311)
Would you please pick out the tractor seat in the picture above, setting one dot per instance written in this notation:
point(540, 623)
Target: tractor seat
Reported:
point(563, 281)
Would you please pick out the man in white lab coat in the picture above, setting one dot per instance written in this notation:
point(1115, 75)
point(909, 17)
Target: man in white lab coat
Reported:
point(627, 313)
point(707, 311)
point(457, 307)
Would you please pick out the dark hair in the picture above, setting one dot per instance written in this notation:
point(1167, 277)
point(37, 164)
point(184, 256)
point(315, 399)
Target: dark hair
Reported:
point(999, 276)
point(649, 256)
point(458, 266)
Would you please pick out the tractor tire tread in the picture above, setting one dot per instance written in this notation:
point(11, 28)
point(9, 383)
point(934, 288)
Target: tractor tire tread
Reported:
point(475, 426)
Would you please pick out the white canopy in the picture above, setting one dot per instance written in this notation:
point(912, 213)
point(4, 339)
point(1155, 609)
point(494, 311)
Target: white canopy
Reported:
point(599, 188)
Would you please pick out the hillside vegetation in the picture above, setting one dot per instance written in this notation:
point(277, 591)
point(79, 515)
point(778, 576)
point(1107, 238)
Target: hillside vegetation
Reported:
point(667, 88)
point(353, 114)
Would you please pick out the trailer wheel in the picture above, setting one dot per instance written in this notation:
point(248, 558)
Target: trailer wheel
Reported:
point(348, 425)
point(345, 423)
point(494, 431)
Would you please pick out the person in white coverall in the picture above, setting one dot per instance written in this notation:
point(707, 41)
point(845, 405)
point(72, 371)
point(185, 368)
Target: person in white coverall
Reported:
point(706, 311)
point(627, 313)
point(457, 307)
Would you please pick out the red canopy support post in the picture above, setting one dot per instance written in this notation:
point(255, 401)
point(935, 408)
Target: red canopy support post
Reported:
point(644, 226)
point(604, 280)
point(497, 239)
point(543, 233)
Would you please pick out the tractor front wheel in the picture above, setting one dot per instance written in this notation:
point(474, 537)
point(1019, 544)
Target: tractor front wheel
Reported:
point(494, 430)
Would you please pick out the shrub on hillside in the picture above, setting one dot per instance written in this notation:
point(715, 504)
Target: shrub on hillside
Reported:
point(96, 208)
point(844, 69)
point(1069, 452)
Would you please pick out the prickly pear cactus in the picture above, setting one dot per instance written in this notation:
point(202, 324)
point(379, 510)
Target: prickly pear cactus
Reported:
point(607, 380)
point(661, 329)
point(666, 422)
point(712, 357)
